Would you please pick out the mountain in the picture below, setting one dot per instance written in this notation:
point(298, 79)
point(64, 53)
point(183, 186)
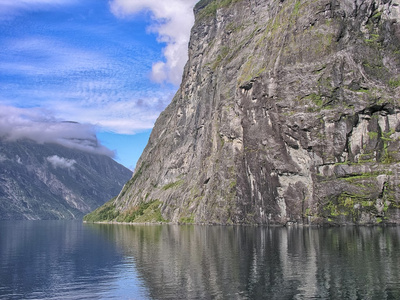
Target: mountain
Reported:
point(288, 112)
point(51, 181)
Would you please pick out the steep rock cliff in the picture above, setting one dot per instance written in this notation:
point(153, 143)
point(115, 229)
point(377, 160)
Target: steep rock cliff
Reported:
point(288, 111)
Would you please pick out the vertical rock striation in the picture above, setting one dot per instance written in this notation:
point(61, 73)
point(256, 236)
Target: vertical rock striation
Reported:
point(288, 111)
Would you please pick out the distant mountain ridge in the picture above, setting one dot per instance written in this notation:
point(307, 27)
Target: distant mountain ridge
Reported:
point(51, 181)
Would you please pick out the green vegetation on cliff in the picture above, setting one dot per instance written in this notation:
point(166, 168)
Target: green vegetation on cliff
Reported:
point(288, 112)
point(208, 8)
point(142, 213)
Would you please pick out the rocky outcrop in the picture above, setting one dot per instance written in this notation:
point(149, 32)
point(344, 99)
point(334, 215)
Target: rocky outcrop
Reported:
point(288, 112)
point(50, 181)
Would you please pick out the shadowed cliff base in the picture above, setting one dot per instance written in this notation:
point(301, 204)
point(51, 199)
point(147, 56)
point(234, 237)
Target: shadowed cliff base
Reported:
point(288, 111)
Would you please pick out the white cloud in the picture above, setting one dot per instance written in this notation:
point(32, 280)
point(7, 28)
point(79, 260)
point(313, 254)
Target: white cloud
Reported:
point(47, 57)
point(91, 87)
point(40, 126)
point(105, 84)
point(128, 116)
point(172, 21)
point(61, 162)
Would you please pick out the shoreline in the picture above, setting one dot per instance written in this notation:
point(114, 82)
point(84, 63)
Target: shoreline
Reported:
point(295, 225)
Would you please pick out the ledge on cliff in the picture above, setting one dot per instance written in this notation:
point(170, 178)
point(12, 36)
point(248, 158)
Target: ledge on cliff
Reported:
point(288, 112)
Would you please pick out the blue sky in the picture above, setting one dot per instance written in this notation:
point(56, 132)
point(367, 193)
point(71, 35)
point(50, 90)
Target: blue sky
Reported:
point(112, 66)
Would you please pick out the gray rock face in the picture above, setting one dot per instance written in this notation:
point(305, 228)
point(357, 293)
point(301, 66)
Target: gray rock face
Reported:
point(288, 112)
point(49, 181)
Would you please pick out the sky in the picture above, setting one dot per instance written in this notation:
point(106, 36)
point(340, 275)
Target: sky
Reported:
point(74, 70)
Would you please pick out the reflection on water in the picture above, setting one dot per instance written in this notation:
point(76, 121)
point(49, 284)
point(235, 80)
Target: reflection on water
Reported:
point(195, 262)
point(60, 260)
point(69, 260)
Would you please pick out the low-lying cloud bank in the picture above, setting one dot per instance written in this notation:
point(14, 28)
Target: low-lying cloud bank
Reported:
point(40, 126)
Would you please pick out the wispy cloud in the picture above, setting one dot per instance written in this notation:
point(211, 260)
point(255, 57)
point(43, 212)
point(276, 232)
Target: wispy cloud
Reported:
point(124, 117)
point(10, 8)
point(40, 126)
point(172, 21)
point(93, 68)
point(81, 85)
point(47, 56)
point(103, 104)
point(61, 162)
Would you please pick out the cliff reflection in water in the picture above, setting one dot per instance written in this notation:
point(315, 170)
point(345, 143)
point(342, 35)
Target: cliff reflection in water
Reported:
point(189, 262)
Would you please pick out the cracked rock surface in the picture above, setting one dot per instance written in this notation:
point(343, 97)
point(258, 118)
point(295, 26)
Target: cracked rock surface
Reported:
point(288, 112)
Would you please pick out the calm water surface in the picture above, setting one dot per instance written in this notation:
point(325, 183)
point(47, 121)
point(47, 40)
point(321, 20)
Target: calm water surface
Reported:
point(71, 260)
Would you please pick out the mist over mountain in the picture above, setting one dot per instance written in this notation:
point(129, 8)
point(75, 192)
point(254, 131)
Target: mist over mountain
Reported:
point(56, 179)
point(41, 126)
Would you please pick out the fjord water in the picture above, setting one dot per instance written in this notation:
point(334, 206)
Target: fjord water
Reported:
point(71, 260)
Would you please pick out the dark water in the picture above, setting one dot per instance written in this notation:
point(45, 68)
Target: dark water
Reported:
point(70, 260)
